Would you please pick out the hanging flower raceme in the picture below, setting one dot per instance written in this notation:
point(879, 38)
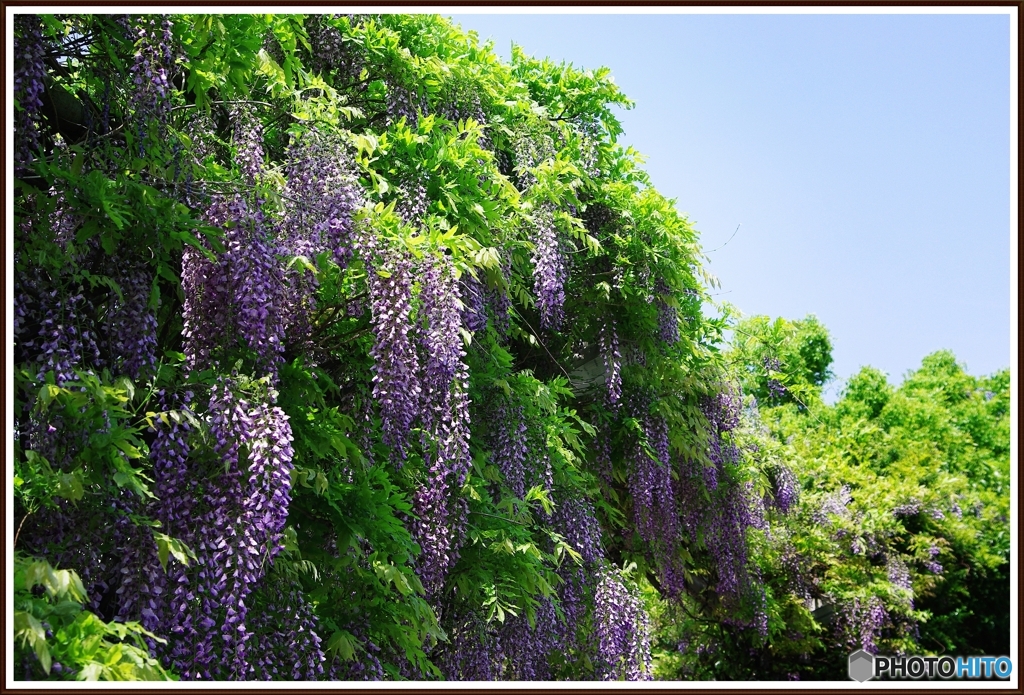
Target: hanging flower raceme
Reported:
point(622, 630)
point(219, 609)
point(549, 271)
point(286, 645)
point(608, 344)
point(445, 415)
point(322, 194)
point(655, 510)
point(150, 101)
point(131, 324)
point(257, 284)
point(396, 380)
point(575, 520)
point(508, 442)
point(785, 488)
point(265, 509)
point(238, 535)
point(500, 303)
point(240, 295)
point(859, 624)
point(67, 338)
point(668, 317)
point(474, 311)
point(29, 74)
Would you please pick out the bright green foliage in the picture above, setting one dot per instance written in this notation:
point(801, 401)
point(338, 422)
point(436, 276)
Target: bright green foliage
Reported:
point(802, 349)
point(68, 642)
point(926, 466)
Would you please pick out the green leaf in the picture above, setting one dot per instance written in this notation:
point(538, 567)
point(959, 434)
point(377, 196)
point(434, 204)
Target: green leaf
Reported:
point(343, 644)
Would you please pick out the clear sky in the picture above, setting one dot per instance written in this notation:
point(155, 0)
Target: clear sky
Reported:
point(867, 159)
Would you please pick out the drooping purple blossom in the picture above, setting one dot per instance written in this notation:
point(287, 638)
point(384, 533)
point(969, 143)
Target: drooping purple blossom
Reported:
point(549, 271)
point(404, 102)
point(219, 650)
point(323, 194)
point(131, 324)
point(235, 531)
point(833, 504)
point(67, 339)
point(859, 623)
point(500, 303)
point(396, 382)
point(265, 508)
point(445, 415)
point(207, 309)
point(650, 480)
point(257, 281)
point(474, 312)
point(608, 344)
point(149, 102)
point(473, 651)
point(785, 488)
point(330, 53)
point(574, 518)
point(668, 317)
point(622, 630)
point(899, 575)
point(411, 202)
point(247, 137)
point(776, 389)
point(508, 442)
point(286, 645)
point(29, 74)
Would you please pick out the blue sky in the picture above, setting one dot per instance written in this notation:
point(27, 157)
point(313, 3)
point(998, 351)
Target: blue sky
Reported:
point(867, 158)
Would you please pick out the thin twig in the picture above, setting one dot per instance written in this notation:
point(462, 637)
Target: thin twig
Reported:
point(495, 516)
point(231, 101)
point(18, 532)
point(730, 239)
point(541, 343)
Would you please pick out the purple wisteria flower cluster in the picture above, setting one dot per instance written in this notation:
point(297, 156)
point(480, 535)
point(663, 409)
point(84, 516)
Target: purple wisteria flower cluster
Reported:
point(668, 317)
point(131, 324)
point(834, 504)
point(776, 389)
point(474, 300)
point(785, 489)
point(286, 645)
point(931, 564)
point(396, 365)
point(509, 444)
point(241, 514)
point(29, 76)
point(330, 53)
point(247, 137)
point(500, 303)
point(445, 415)
point(66, 337)
point(608, 345)
point(549, 270)
point(575, 520)
point(899, 577)
point(859, 624)
point(321, 197)
point(240, 295)
point(404, 102)
point(150, 101)
point(649, 478)
point(622, 630)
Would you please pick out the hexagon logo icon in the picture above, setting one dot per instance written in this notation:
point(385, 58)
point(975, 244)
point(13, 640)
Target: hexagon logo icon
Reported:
point(862, 665)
